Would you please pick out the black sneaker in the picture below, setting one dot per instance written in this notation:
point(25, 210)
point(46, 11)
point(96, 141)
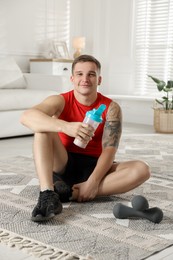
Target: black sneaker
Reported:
point(47, 207)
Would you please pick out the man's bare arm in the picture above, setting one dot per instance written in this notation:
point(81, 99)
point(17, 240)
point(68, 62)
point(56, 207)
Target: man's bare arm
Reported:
point(113, 126)
point(40, 117)
point(44, 117)
point(110, 141)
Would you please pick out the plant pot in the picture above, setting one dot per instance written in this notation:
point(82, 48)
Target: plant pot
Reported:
point(163, 120)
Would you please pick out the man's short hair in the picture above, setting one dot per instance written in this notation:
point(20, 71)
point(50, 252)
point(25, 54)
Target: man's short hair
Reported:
point(86, 58)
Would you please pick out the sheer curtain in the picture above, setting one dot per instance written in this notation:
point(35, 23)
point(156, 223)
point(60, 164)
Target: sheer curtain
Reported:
point(153, 43)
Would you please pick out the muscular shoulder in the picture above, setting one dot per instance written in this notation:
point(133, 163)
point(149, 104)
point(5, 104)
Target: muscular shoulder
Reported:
point(57, 100)
point(114, 112)
point(52, 105)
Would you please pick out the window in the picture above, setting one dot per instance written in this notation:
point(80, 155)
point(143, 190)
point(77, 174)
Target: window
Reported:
point(57, 18)
point(54, 23)
point(153, 43)
point(26, 26)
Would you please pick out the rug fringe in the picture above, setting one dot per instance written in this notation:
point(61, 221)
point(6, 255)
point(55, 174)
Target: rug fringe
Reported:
point(38, 249)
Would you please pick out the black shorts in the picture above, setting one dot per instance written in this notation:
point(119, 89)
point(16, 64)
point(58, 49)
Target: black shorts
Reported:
point(79, 167)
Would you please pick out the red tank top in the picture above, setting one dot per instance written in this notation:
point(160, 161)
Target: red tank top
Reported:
point(75, 112)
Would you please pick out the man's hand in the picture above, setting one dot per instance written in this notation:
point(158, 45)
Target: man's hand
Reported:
point(84, 132)
point(85, 191)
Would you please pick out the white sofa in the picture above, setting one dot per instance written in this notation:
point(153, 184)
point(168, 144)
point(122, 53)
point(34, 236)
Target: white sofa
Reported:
point(19, 92)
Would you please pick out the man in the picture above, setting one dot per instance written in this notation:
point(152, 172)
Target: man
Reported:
point(66, 170)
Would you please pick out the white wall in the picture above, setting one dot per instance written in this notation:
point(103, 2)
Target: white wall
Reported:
point(26, 26)
point(106, 24)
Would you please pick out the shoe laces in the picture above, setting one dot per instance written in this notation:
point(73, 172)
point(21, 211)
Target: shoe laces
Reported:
point(45, 197)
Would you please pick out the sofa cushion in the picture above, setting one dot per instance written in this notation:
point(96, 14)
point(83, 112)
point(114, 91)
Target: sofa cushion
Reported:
point(10, 74)
point(18, 99)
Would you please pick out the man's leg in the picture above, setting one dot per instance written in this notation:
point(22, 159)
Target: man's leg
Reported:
point(124, 177)
point(49, 155)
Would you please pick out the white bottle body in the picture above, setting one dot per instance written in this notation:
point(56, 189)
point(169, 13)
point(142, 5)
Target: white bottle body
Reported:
point(91, 122)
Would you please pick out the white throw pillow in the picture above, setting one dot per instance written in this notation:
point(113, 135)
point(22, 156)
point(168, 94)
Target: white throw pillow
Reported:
point(10, 74)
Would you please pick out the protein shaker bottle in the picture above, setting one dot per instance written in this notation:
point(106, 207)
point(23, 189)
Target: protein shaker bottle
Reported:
point(93, 118)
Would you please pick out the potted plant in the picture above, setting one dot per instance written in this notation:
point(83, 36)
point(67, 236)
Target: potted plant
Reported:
point(163, 110)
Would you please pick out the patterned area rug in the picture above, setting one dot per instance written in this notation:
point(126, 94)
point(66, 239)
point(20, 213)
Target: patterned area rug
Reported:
point(155, 149)
point(90, 230)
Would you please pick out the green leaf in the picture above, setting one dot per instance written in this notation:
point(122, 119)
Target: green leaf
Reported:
point(165, 98)
point(154, 79)
point(160, 85)
point(170, 84)
point(158, 101)
point(166, 89)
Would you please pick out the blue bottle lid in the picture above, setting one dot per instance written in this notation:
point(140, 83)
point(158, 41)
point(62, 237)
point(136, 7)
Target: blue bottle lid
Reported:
point(96, 114)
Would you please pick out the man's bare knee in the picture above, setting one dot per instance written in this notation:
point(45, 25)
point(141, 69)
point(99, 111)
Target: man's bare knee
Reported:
point(142, 170)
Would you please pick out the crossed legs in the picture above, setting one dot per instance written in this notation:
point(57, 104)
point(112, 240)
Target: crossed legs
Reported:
point(50, 155)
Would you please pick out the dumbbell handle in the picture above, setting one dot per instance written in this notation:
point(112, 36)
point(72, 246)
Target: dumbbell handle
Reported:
point(153, 214)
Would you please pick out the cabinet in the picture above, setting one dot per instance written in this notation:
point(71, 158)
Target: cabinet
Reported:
point(59, 67)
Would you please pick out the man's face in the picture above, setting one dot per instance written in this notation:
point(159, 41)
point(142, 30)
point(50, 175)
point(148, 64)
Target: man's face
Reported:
point(85, 77)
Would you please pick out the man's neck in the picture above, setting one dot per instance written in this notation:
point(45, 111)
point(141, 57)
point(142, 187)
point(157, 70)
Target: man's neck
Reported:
point(86, 100)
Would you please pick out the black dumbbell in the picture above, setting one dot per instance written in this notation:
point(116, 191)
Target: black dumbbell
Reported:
point(153, 214)
point(140, 203)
